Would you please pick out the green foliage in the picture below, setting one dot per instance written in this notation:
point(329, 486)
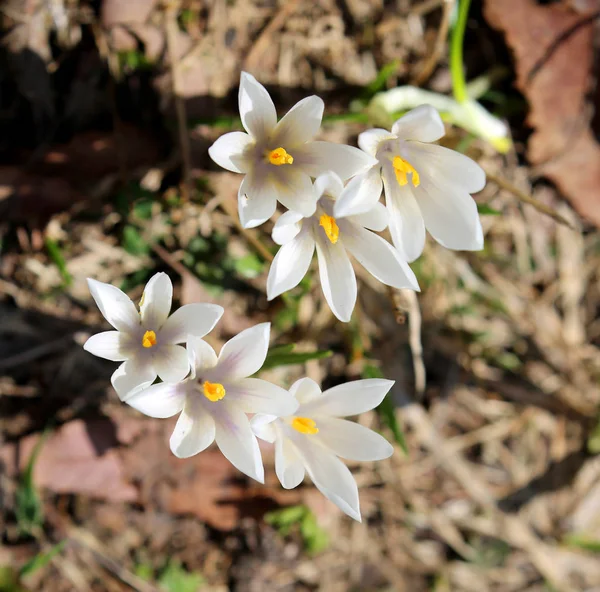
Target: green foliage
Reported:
point(55, 253)
point(457, 66)
point(9, 580)
point(28, 509)
point(387, 410)
point(379, 84)
point(41, 559)
point(175, 578)
point(249, 266)
point(486, 210)
point(489, 552)
point(287, 318)
point(286, 520)
point(584, 542)
point(133, 60)
point(133, 242)
point(284, 355)
point(593, 443)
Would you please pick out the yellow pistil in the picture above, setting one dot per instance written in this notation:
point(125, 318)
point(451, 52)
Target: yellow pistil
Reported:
point(149, 339)
point(213, 391)
point(332, 230)
point(402, 168)
point(305, 425)
point(279, 156)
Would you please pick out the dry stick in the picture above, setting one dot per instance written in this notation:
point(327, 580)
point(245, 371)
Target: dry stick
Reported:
point(411, 305)
point(526, 198)
point(438, 48)
point(170, 16)
point(227, 207)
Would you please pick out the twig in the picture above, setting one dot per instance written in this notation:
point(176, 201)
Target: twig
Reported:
point(170, 16)
point(526, 198)
point(438, 48)
point(262, 43)
point(35, 352)
point(228, 208)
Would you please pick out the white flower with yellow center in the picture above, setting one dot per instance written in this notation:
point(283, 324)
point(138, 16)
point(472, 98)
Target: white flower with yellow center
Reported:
point(426, 186)
point(214, 400)
point(334, 237)
point(312, 438)
point(146, 341)
point(278, 159)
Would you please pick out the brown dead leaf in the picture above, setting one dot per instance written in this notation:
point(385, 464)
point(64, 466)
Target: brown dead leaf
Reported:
point(80, 457)
point(553, 51)
point(117, 12)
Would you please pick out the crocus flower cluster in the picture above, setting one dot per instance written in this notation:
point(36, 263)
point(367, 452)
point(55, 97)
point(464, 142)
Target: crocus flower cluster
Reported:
point(332, 195)
point(218, 399)
point(426, 186)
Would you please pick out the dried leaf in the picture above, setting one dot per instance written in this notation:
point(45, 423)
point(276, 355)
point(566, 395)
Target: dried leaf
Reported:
point(553, 51)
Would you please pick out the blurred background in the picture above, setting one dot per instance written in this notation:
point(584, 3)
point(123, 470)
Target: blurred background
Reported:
point(107, 109)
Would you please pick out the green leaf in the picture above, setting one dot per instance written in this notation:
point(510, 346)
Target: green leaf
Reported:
point(315, 539)
point(55, 253)
point(288, 357)
point(583, 542)
point(486, 210)
point(9, 581)
point(381, 79)
point(249, 266)
point(41, 559)
point(133, 242)
point(28, 508)
point(175, 578)
point(387, 410)
point(286, 517)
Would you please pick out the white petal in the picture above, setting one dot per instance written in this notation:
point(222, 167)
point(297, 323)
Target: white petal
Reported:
point(263, 427)
point(369, 140)
point(257, 200)
point(155, 304)
point(191, 319)
point(377, 218)
point(230, 151)
point(328, 183)
point(305, 390)
point(194, 431)
point(290, 264)
point(360, 195)
point(423, 124)
point(351, 440)
point(439, 162)
point(110, 345)
point(289, 466)
point(346, 161)
point(450, 215)
point(171, 363)
point(159, 400)
point(348, 399)
point(295, 190)
point(200, 354)
point(131, 376)
point(300, 124)
point(254, 395)
point(288, 225)
point(116, 307)
point(236, 441)
point(244, 354)
point(337, 278)
point(406, 221)
point(332, 477)
point(256, 108)
point(378, 257)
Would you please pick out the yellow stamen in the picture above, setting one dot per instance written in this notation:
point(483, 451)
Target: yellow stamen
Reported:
point(279, 156)
point(149, 339)
point(332, 230)
point(213, 391)
point(305, 425)
point(402, 168)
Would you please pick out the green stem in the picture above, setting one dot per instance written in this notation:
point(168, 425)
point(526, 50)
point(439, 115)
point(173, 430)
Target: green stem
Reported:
point(457, 71)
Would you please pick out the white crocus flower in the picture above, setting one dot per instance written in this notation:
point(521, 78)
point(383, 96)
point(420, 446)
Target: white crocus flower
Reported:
point(146, 341)
point(278, 159)
point(334, 237)
point(311, 440)
point(214, 400)
point(425, 185)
